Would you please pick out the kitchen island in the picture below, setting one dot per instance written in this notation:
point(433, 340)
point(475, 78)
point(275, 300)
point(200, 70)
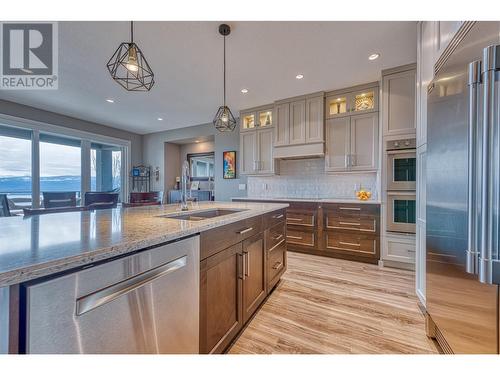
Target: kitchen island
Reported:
point(40, 248)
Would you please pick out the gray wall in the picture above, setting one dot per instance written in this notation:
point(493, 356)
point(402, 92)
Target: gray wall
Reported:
point(30, 113)
point(153, 146)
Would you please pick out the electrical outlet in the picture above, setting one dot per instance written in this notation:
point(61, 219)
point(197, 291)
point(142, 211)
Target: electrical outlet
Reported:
point(242, 186)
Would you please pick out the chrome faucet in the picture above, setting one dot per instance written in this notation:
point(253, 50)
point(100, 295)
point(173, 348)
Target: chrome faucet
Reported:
point(184, 183)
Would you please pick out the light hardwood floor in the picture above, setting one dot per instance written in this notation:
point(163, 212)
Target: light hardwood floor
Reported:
point(326, 305)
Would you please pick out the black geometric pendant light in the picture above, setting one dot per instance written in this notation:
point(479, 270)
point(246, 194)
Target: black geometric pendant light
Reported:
point(129, 67)
point(224, 120)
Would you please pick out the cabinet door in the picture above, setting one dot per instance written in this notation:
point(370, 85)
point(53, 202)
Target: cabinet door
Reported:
point(314, 120)
point(254, 285)
point(364, 101)
point(248, 152)
point(221, 304)
point(297, 128)
point(248, 121)
point(282, 121)
point(364, 142)
point(265, 160)
point(337, 105)
point(265, 118)
point(399, 103)
point(337, 144)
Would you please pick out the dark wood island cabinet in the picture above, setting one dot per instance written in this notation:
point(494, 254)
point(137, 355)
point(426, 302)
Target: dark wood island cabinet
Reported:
point(240, 265)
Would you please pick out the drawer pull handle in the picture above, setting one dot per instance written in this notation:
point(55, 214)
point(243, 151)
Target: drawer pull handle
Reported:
point(245, 230)
point(350, 208)
point(275, 246)
point(277, 266)
point(294, 219)
point(348, 223)
point(349, 244)
point(278, 237)
point(294, 237)
point(278, 216)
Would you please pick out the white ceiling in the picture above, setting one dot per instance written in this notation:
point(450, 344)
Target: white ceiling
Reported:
point(186, 57)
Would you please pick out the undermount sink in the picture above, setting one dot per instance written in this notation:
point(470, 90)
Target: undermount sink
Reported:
point(202, 215)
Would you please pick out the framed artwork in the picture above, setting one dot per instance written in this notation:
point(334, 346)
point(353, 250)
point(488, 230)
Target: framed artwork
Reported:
point(229, 164)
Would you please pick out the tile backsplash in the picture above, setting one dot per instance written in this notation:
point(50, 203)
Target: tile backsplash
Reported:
point(307, 179)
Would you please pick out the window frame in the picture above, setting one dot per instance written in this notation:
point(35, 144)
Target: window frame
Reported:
point(85, 138)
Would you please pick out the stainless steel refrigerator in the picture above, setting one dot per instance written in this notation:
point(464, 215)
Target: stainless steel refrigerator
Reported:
point(463, 192)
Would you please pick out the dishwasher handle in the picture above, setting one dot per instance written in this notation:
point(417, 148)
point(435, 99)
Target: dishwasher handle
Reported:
point(110, 293)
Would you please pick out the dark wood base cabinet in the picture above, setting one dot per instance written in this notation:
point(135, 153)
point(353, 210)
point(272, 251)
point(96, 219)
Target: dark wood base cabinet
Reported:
point(240, 264)
point(342, 230)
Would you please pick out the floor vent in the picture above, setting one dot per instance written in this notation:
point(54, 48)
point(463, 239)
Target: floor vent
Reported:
point(442, 342)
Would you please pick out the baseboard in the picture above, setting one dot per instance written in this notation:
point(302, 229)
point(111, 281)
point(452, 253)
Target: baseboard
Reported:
point(400, 265)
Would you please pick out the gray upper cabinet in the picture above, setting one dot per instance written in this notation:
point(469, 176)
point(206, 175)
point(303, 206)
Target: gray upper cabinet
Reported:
point(398, 97)
point(300, 121)
point(265, 151)
point(337, 144)
point(248, 152)
point(282, 119)
point(352, 101)
point(364, 142)
point(256, 140)
point(315, 119)
point(297, 128)
point(352, 143)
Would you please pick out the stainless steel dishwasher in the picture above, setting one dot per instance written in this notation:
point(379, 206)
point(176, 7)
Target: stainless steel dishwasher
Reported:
point(147, 302)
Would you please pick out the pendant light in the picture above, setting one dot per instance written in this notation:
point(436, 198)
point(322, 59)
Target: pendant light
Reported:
point(129, 67)
point(224, 120)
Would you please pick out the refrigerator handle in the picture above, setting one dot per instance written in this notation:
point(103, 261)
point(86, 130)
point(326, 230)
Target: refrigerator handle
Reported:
point(489, 177)
point(474, 165)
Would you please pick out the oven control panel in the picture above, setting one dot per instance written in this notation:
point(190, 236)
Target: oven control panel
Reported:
point(401, 144)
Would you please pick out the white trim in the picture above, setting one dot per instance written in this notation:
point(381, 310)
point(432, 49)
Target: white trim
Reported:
point(85, 169)
point(35, 168)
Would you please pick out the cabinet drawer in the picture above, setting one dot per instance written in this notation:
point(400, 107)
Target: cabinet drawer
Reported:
point(275, 236)
point(352, 210)
point(218, 239)
point(354, 223)
point(276, 264)
point(274, 218)
point(304, 219)
point(300, 237)
point(356, 244)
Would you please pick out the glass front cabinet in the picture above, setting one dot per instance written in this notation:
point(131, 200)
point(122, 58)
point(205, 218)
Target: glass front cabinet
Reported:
point(347, 103)
point(256, 118)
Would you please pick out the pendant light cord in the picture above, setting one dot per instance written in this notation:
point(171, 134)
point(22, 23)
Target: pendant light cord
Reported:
point(224, 70)
point(131, 31)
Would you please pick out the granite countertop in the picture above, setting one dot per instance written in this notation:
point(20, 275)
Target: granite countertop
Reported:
point(36, 246)
point(314, 200)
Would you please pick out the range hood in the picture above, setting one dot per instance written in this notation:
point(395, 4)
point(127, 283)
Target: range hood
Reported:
point(302, 151)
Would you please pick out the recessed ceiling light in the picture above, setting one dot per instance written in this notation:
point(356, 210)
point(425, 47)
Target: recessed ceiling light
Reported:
point(299, 76)
point(374, 56)
point(160, 119)
point(244, 91)
point(110, 100)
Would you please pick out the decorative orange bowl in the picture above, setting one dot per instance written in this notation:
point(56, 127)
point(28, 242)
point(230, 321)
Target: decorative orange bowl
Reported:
point(363, 195)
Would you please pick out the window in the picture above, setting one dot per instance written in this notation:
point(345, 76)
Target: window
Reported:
point(15, 166)
point(105, 168)
point(65, 160)
point(60, 164)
